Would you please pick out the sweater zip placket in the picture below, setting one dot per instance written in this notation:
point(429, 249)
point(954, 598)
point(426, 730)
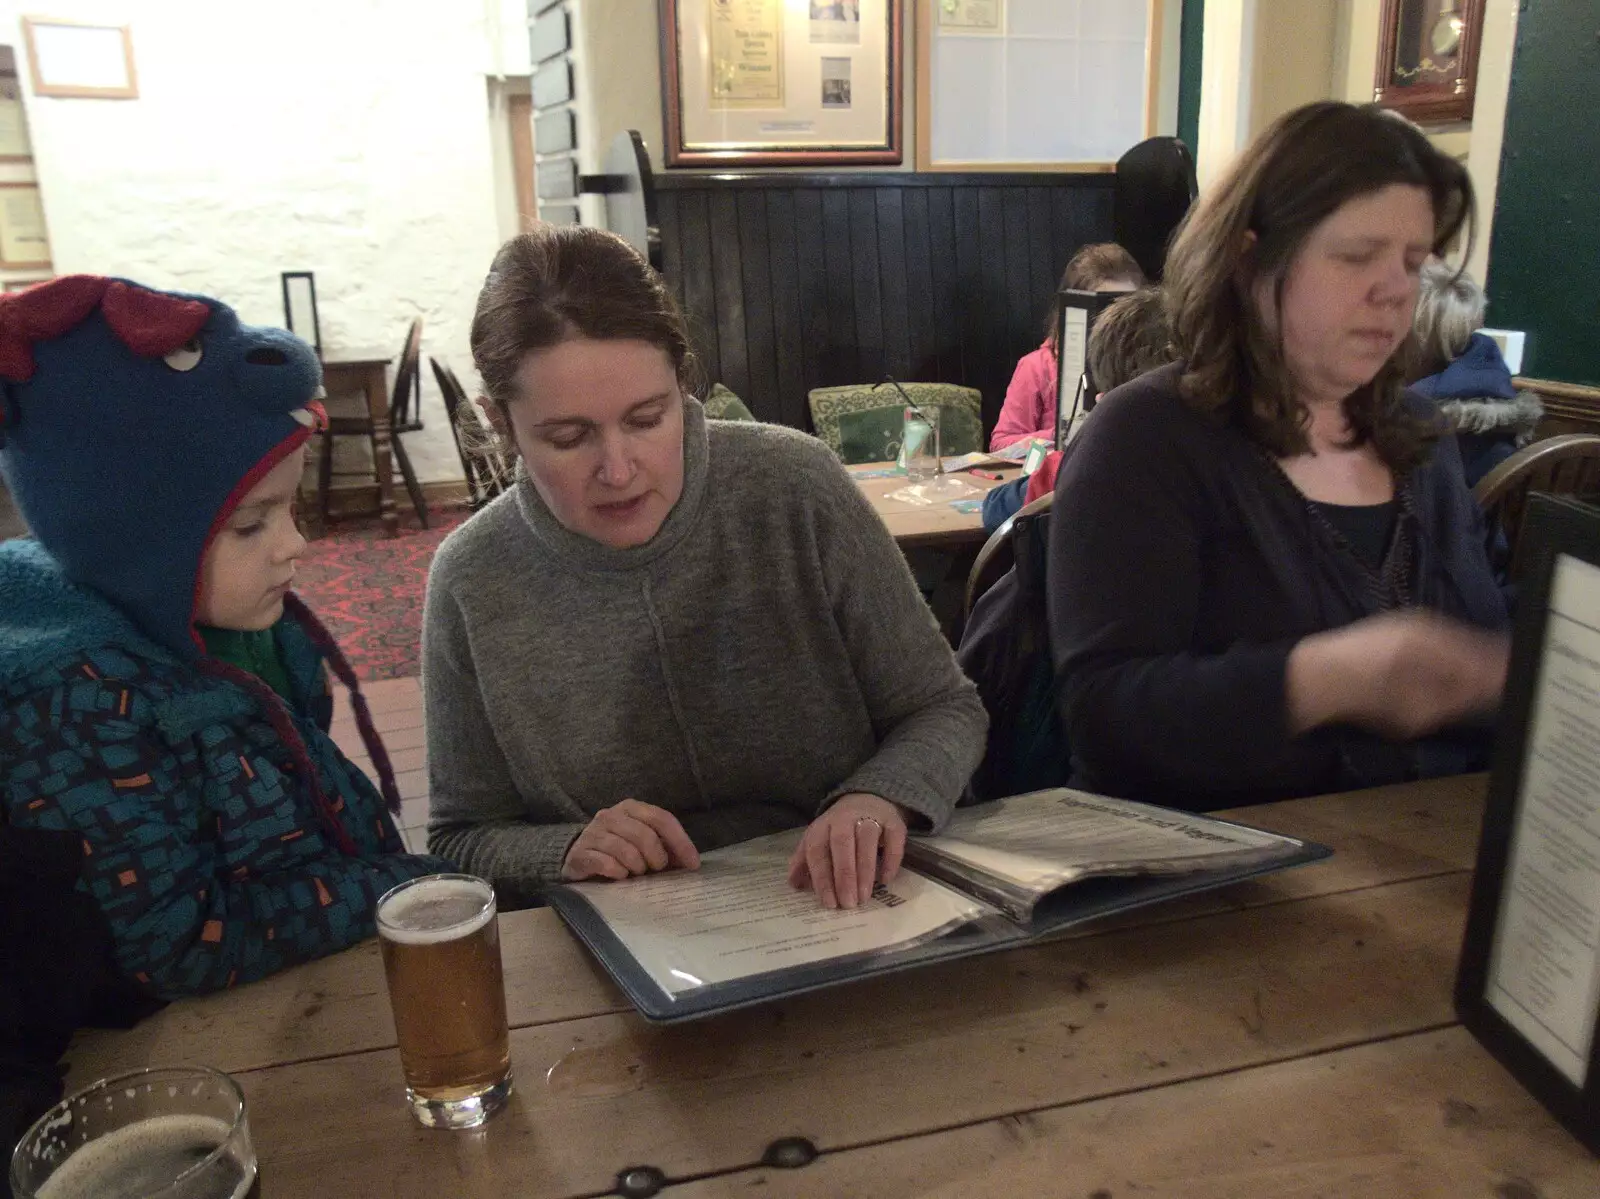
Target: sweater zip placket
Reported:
point(672, 693)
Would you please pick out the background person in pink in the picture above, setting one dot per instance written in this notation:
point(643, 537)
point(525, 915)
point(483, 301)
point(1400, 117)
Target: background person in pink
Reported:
point(1030, 407)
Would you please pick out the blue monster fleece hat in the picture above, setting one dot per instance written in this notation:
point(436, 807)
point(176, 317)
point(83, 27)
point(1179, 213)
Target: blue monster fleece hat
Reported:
point(133, 422)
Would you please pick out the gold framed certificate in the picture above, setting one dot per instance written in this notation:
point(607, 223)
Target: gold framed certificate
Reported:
point(747, 54)
point(782, 82)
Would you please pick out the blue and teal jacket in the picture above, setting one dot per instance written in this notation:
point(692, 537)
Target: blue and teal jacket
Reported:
point(224, 835)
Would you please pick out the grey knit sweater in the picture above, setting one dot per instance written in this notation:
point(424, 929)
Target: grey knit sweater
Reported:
point(764, 653)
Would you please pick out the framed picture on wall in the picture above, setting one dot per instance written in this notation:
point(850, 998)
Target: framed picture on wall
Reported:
point(1428, 58)
point(782, 82)
point(1035, 85)
point(80, 59)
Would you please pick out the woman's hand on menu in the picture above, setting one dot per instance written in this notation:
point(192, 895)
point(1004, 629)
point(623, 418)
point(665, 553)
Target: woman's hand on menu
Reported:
point(857, 843)
point(626, 839)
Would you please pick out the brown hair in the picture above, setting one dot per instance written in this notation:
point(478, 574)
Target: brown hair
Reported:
point(1088, 270)
point(1129, 338)
point(1306, 165)
point(557, 282)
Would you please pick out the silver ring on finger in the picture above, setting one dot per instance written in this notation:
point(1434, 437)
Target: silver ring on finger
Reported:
point(860, 820)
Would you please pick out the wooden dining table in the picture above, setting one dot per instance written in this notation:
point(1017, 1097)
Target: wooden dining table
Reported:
point(939, 525)
point(1288, 1036)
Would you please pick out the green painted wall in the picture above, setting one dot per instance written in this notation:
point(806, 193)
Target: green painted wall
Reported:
point(1190, 43)
point(1544, 261)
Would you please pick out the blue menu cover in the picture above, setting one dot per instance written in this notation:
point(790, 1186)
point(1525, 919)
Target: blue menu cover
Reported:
point(687, 944)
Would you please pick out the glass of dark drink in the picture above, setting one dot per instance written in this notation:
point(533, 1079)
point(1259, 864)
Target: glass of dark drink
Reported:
point(441, 952)
point(163, 1133)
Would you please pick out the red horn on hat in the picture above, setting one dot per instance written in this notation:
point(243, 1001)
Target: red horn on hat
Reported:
point(150, 323)
point(41, 312)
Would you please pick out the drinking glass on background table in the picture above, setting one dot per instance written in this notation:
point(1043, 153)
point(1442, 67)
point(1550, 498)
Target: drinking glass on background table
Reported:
point(441, 952)
point(919, 444)
point(163, 1133)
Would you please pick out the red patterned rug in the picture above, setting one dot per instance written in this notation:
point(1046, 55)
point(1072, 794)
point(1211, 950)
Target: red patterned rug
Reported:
point(368, 589)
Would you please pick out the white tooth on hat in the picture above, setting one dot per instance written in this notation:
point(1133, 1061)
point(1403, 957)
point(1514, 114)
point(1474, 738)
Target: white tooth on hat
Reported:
point(321, 393)
point(305, 416)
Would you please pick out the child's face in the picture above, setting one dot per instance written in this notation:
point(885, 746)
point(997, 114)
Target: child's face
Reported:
point(250, 565)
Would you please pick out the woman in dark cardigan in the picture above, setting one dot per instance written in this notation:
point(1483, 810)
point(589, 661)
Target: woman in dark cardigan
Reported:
point(1267, 577)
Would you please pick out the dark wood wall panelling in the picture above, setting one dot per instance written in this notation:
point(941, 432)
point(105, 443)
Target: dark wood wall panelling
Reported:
point(796, 281)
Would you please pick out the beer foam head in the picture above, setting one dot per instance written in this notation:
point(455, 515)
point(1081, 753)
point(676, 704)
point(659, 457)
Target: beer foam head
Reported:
point(148, 1156)
point(433, 910)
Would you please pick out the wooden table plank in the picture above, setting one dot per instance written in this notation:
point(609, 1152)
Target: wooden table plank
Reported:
point(893, 1057)
point(339, 1004)
point(1426, 1116)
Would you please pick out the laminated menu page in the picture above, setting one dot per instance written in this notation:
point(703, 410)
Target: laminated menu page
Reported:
point(1528, 982)
point(687, 943)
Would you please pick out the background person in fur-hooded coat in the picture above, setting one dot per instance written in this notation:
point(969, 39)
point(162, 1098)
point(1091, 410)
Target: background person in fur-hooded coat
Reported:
point(1465, 374)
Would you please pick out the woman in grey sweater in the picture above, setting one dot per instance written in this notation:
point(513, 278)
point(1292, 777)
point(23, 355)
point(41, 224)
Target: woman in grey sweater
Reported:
point(670, 634)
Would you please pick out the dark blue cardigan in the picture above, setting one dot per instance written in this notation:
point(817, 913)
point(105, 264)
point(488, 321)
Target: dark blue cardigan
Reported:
point(1181, 574)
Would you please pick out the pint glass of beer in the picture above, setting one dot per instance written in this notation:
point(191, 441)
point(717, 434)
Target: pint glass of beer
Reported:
point(170, 1133)
point(441, 951)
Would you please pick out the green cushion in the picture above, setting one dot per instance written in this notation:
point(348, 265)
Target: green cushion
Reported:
point(863, 425)
point(722, 404)
point(872, 435)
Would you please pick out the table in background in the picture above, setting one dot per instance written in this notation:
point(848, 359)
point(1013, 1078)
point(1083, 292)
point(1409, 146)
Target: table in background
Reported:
point(366, 371)
point(1292, 1035)
point(937, 526)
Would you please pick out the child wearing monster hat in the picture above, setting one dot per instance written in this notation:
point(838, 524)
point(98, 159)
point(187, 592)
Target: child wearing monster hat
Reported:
point(162, 690)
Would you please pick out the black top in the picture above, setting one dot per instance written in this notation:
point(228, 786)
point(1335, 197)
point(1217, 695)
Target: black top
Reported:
point(1364, 528)
point(1182, 571)
point(58, 972)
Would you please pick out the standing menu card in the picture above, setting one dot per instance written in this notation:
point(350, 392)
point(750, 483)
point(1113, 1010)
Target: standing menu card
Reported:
point(1529, 981)
point(686, 943)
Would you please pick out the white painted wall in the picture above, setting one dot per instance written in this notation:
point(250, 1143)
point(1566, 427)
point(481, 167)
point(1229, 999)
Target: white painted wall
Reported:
point(507, 220)
point(1487, 137)
point(344, 137)
point(1227, 73)
point(1292, 58)
point(617, 69)
point(1167, 66)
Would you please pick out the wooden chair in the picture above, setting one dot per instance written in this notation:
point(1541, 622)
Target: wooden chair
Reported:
point(1568, 464)
point(405, 382)
point(997, 555)
point(482, 463)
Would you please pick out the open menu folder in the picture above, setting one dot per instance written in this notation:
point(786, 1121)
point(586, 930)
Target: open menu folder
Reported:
point(688, 943)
